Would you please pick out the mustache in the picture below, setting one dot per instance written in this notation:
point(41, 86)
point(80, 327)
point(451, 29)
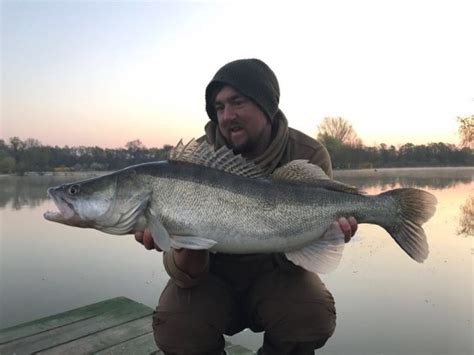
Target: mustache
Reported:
point(235, 124)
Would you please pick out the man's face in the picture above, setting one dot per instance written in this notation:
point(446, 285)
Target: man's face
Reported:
point(242, 123)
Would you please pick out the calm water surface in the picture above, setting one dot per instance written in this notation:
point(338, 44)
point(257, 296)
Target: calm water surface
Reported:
point(386, 302)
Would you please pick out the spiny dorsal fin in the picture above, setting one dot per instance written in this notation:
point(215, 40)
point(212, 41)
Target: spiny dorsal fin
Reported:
point(303, 171)
point(222, 159)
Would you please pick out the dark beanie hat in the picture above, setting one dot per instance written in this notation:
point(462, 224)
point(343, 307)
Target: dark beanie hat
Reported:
point(252, 78)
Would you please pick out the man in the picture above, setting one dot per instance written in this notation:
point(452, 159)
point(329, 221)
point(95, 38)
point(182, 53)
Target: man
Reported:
point(214, 294)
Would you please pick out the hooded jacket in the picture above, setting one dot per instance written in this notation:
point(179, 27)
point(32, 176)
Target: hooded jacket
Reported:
point(287, 144)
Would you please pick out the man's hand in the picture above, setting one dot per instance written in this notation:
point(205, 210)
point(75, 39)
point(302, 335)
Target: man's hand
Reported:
point(145, 238)
point(192, 262)
point(348, 227)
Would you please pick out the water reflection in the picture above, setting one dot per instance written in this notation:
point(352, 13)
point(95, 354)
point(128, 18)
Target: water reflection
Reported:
point(423, 308)
point(30, 191)
point(466, 219)
point(424, 178)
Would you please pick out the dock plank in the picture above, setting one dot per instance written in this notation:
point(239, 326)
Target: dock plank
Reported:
point(72, 331)
point(144, 344)
point(61, 319)
point(115, 326)
point(107, 338)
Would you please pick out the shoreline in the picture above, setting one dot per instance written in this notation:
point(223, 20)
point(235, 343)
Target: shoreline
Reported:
point(344, 171)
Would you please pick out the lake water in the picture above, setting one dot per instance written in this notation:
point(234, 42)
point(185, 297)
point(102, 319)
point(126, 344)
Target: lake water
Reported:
point(386, 302)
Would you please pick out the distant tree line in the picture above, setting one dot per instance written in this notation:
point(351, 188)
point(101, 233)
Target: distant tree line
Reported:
point(348, 152)
point(20, 156)
point(345, 156)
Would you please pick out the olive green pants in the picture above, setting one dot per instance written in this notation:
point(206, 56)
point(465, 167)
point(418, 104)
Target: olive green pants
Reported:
point(260, 292)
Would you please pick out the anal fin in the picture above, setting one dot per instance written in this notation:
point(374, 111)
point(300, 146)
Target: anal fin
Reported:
point(323, 255)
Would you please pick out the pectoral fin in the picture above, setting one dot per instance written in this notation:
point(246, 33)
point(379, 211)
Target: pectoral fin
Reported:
point(323, 255)
point(189, 242)
point(159, 234)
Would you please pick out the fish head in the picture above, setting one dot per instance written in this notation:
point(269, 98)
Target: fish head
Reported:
point(82, 203)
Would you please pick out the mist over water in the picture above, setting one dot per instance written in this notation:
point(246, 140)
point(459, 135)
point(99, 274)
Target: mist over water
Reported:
point(386, 303)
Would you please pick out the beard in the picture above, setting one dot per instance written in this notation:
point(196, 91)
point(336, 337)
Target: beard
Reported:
point(246, 147)
point(247, 140)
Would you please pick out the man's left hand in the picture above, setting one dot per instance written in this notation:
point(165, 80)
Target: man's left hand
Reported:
point(348, 227)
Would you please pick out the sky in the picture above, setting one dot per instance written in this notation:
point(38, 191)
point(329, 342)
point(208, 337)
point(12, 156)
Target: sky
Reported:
point(103, 73)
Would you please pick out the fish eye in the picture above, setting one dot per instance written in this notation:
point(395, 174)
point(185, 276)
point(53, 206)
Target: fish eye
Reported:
point(73, 190)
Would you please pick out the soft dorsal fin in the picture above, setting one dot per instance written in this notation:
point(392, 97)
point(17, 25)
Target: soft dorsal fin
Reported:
point(299, 170)
point(222, 159)
point(303, 171)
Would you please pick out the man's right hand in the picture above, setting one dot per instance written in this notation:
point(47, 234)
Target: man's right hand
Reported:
point(145, 238)
point(192, 262)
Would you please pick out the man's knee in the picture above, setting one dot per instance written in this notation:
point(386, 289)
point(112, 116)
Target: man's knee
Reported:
point(298, 329)
point(294, 305)
point(303, 322)
point(189, 321)
point(180, 333)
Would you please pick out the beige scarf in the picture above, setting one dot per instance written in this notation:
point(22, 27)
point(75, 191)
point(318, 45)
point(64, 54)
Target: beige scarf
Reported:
point(271, 157)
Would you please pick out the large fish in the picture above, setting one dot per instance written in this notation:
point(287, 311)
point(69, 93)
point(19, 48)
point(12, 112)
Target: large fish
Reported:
point(205, 199)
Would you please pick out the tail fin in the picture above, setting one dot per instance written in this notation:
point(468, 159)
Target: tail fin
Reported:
point(415, 207)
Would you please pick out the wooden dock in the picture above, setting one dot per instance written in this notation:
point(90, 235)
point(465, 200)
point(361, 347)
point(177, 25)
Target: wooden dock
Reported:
point(115, 326)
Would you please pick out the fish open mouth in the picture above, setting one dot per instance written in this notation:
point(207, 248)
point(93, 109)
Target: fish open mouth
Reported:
point(66, 211)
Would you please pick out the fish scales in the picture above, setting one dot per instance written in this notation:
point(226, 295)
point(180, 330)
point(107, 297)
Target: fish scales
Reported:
point(195, 200)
